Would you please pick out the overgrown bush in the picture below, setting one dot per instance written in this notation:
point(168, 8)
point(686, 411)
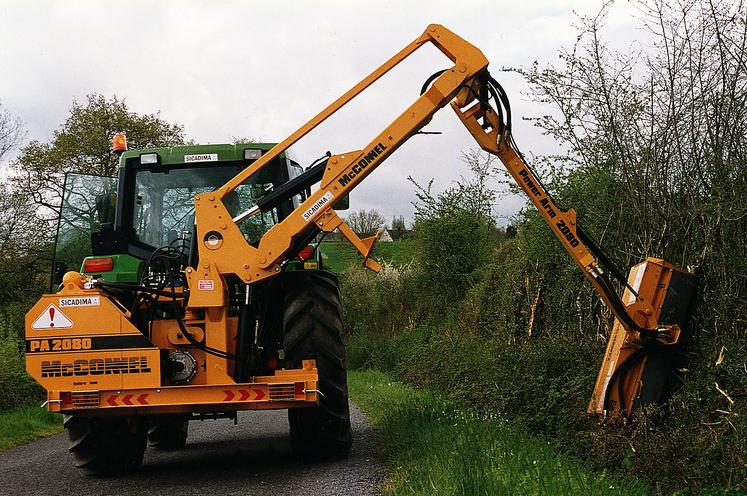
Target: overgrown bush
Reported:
point(16, 387)
point(454, 231)
point(386, 303)
point(543, 383)
point(453, 246)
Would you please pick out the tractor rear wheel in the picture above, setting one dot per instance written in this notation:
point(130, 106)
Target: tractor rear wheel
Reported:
point(312, 325)
point(106, 445)
point(168, 432)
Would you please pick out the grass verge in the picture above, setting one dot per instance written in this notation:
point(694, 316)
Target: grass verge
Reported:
point(432, 447)
point(25, 423)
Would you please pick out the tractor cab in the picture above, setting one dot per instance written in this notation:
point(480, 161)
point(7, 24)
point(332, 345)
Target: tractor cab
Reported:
point(110, 226)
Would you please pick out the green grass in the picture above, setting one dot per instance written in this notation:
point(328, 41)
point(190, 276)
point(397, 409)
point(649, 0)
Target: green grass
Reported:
point(431, 447)
point(339, 255)
point(23, 424)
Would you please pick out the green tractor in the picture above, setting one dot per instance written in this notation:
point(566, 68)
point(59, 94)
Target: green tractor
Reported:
point(138, 229)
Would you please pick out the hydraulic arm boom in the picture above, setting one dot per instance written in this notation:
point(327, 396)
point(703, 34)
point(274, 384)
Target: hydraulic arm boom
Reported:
point(482, 106)
point(234, 255)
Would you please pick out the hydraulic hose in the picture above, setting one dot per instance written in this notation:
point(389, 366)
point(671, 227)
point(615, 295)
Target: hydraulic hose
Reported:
point(137, 287)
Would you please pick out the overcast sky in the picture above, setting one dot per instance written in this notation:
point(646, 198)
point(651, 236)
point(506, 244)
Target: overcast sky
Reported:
point(261, 69)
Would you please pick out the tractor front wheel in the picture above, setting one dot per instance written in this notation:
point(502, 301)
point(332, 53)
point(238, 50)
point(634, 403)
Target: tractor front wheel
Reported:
point(312, 325)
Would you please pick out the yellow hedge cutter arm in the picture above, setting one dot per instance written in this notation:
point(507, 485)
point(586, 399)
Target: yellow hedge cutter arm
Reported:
point(482, 106)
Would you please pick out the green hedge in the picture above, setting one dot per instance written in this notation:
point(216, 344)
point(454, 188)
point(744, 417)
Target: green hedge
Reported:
point(544, 384)
point(16, 387)
point(469, 338)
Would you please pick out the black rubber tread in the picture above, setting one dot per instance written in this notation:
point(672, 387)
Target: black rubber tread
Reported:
point(106, 445)
point(168, 432)
point(312, 323)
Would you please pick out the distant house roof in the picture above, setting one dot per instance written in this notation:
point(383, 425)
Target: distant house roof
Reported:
point(386, 236)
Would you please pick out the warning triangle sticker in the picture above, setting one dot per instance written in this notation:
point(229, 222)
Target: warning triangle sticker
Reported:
point(52, 318)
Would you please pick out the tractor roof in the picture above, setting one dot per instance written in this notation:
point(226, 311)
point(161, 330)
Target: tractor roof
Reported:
point(212, 153)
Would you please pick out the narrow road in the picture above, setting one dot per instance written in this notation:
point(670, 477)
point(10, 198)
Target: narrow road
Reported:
point(251, 458)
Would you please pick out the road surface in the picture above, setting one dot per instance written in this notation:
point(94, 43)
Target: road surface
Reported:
point(251, 458)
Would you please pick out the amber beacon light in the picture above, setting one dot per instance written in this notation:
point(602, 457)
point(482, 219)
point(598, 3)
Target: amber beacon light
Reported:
point(119, 142)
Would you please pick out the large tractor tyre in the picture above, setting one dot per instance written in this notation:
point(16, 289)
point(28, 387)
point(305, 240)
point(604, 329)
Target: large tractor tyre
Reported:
point(312, 326)
point(106, 445)
point(168, 432)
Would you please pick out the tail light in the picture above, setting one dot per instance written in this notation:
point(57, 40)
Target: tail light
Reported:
point(98, 265)
point(306, 252)
point(300, 389)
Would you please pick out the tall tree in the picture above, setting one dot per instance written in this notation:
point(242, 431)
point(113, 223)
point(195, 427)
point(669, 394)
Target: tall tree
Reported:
point(11, 132)
point(25, 247)
point(83, 144)
point(365, 222)
point(399, 228)
point(31, 197)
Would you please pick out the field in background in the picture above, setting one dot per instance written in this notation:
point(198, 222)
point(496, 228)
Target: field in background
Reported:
point(339, 255)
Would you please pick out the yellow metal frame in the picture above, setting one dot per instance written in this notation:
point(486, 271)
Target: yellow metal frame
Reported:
point(291, 388)
point(236, 256)
point(102, 365)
